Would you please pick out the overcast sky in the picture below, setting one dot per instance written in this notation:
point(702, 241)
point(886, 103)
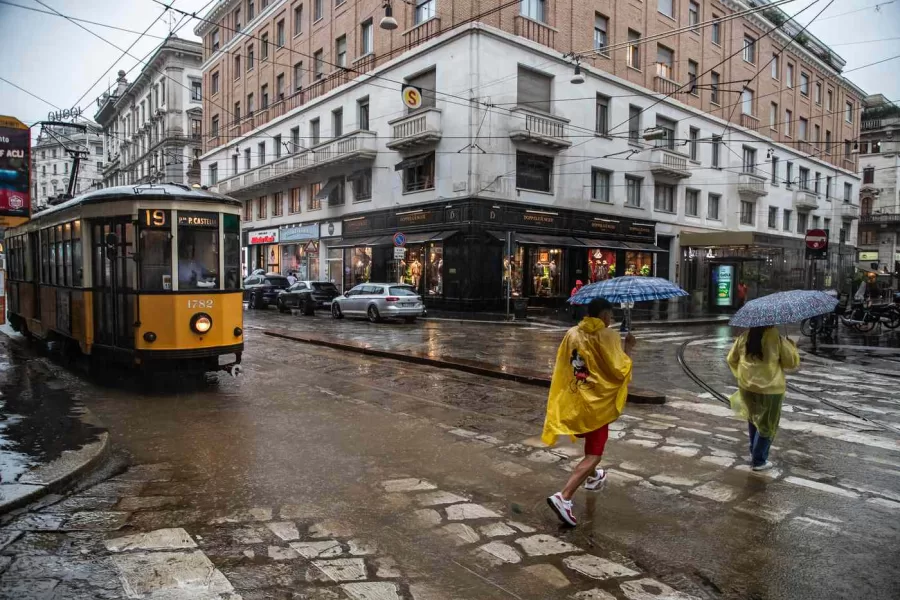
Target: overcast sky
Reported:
point(58, 61)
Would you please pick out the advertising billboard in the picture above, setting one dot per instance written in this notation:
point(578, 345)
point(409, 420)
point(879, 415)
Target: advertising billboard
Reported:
point(15, 195)
point(723, 277)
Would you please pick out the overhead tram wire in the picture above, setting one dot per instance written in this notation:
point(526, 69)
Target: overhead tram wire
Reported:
point(89, 22)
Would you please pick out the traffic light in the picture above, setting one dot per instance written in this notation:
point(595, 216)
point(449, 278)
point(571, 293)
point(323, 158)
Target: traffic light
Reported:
point(112, 246)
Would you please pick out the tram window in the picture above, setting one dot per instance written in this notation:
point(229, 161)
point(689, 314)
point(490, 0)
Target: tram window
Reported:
point(232, 261)
point(45, 256)
point(198, 258)
point(60, 259)
point(53, 261)
point(77, 263)
point(156, 260)
point(67, 253)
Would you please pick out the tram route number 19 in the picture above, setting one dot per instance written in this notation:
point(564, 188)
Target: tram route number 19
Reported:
point(155, 218)
point(194, 303)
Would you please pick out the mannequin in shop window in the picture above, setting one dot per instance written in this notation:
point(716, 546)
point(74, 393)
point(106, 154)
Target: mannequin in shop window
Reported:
point(415, 272)
point(437, 264)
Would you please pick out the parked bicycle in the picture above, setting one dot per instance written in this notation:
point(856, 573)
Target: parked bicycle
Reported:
point(858, 317)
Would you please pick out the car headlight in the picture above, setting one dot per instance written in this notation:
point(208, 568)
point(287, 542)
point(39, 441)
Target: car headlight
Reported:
point(201, 323)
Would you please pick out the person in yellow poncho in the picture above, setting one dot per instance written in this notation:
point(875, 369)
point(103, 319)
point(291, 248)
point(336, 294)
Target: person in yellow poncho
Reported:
point(758, 359)
point(587, 393)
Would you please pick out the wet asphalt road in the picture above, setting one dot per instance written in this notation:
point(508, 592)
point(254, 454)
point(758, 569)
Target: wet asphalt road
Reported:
point(322, 474)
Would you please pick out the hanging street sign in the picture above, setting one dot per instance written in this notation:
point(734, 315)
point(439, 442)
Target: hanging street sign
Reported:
point(412, 96)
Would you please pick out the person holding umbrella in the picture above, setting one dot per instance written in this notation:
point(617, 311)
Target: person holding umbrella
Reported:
point(759, 358)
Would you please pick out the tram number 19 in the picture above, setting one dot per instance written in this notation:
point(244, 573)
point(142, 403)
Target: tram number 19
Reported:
point(192, 303)
point(155, 218)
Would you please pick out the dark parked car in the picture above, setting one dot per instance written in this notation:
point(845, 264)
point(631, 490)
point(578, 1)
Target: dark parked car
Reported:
point(262, 290)
point(307, 296)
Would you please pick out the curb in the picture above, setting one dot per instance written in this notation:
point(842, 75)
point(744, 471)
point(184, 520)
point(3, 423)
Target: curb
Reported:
point(638, 396)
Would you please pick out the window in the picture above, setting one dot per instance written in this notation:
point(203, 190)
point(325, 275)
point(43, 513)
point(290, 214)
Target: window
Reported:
point(427, 82)
point(773, 115)
point(362, 111)
point(317, 10)
point(818, 96)
point(214, 126)
point(247, 160)
point(830, 97)
point(237, 19)
point(237, 115)
point(827, 142)
point(746, 212)
point(827, 225)
point(298, 76)
point(533, 90)
point(600, 185)
point(712, 206)
point(692, 77)
point(336, 195)
point(295, 140)
point(692, 203)
point(828, 189)
point(264, 46)
point(533, 9)
point(237, 66)
point(425, 9)
point(366, 40)
point(264, 97)
point(213, 173)
point(749, 49)
point(276, 146)
point(714, 87)
point(261, 208)
point(279, 87)
point(747, 101)
point(749, 160)
point(314, 131)
point(419, 175)
point(294, 204)
point(716, 31)
point(337, 122)
point(815, 221)
point(774, 170)
point(668, 126)
point(362, 185)
point(847, 149)
point(600, 25)
point(818, 183)
point(250, 105)
point(248, 210)
point(314, 202)
point(789, 174)
point(533, 171)
point(664, 197)
point(665, 62)
point(633, 55)
point(816, 134)
point(298, 19)
point(804, 125)
point(602, 126)
point(869, 175)
point(804, 178)
point(196, 93)
point(773, 217)
point(876, 147)
point(250, 52)
point(634, 123)
point(694, 144)
point(319, 64)
point(848, 192)
point(277, 204)
point(716, 150)
point(788, 122)
point(215, 40)
point(774, 66)
point(261, 153)
point(666, 7)
point(802, 222)
point(633, 191)
point(789, 75)
point(848, 112)
point(279, 34)
point(804, 84)
point(251, 10)
point(693, 13)
point(340, 50)
point(786, 220)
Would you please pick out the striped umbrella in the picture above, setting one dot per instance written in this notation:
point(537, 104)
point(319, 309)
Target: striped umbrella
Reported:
point(782, 308)
point(628, 289)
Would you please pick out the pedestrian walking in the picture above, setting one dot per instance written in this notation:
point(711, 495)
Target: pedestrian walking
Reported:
point(758, 359)
point(587, 393)
point(576, 308)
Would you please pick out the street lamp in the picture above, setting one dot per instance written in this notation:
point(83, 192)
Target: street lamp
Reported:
point(388, 22)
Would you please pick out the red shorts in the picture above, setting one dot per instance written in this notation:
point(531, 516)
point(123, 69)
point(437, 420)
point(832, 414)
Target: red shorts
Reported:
point(595, 441)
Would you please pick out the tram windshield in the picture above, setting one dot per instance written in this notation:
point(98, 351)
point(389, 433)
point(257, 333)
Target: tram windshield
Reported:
point(198, 258)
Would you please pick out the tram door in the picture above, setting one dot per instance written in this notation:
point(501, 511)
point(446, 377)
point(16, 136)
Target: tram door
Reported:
point(112, 263)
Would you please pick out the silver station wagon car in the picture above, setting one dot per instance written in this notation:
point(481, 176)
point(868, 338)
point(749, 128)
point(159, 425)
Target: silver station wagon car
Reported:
point(378, 301)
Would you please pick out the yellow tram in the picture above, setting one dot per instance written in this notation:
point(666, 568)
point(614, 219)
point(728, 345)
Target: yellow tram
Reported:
point(147, 275)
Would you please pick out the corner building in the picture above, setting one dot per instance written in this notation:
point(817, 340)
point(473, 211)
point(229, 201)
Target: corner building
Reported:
point(511, 178)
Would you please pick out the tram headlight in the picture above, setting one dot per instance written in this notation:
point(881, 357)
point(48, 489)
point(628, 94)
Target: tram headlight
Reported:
point(201, 323)
point(238, 331)
point(149, 337)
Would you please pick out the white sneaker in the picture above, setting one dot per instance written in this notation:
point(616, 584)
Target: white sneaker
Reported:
point(764, 467)
point(596, 481)
point(563, 509)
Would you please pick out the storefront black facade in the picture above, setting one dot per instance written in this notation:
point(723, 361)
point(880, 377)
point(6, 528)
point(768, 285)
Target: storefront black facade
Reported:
point(470, 254)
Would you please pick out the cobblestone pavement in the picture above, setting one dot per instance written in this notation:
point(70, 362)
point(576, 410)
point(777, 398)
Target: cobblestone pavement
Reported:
point(323, 474)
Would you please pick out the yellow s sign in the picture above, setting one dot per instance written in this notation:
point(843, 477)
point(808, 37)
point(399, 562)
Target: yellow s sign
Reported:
point(412, 96)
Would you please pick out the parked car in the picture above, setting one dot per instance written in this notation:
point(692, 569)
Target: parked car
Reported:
point(379, 301)
point(262, 290)
point(307, 296)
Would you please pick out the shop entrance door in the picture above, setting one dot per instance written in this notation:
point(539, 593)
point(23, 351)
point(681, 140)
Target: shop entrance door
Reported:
point(662, 258)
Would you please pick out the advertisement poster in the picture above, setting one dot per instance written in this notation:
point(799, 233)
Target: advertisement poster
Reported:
point(723, 278)
point(15, 198)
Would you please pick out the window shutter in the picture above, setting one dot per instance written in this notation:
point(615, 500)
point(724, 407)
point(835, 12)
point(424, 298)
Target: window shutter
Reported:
point(427, 83)
point(533, 90)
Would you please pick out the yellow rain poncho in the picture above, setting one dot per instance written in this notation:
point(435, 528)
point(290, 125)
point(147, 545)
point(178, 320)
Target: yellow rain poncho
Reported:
point(596, 396)
point(761, 383)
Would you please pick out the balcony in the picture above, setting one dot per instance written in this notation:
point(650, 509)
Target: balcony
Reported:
point(669, 163)
point(750, 184)
point(879, 219)
point(849, 211)
point(418, 129)
point(534, 30)
point(869, 124)
point(750, 122)
point(664, 85)
point(346, 152)
point(850, 164)
point(422, 32)
point(539, 128)
point(805, 200)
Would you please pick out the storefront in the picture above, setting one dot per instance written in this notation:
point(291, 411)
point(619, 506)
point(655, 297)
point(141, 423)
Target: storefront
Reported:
point(262, 250)
point(300, 251)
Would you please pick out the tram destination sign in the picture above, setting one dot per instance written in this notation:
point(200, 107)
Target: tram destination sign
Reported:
point(198, 219)
point(15, 147)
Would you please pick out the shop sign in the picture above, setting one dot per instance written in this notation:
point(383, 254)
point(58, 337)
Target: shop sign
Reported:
point(604, 226)
point(263, 236)
point(419, 217)
point(724, 280)
point(356, 225)
point(868, 256)
point(412, 96)
point(641, 229)
point(299, 233)
point(331, 229)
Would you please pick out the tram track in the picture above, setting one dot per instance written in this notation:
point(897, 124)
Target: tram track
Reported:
point(692, 375)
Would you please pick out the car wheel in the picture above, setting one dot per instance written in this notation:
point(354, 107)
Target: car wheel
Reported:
point(308, 308)
point(336, 311)
point(373, 315)
point(281, 307)
point(410, 319)
point(254, 302)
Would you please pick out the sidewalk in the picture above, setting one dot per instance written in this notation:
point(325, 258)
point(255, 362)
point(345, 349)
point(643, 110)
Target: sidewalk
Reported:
point(563, 317)
point(46, 438)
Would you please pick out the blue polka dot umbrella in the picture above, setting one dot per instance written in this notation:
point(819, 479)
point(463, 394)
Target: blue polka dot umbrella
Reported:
point(782, 308)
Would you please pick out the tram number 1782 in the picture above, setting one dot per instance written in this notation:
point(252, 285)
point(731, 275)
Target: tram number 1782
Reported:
point(193, 303)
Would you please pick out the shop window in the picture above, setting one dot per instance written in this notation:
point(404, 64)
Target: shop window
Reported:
point(513, 267)
point(533, 171)
point(359, 266)
point(301, 259)
point(418, 173)
point(601, 264)
point(638, 263)
point(546, 272)
point(334, 265)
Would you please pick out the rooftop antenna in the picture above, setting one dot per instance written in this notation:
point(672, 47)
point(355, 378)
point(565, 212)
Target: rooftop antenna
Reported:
point(171, 19)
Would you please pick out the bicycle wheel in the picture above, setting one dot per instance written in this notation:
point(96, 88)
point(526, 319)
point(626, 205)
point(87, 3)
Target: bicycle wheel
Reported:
point(893, 318)
point(868, 323)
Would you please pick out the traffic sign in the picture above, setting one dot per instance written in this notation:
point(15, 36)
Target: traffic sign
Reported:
point(412, 96)
point(399, 253)
point(399, 239)
point(816, 243)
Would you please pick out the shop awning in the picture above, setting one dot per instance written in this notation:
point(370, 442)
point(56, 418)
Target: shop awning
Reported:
point(500, 236)
point(605, 244)
point(378, 240)
point(328, 187)
point(411, 162)
point(643, 247)
point(428, 236)
point(548, 240)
